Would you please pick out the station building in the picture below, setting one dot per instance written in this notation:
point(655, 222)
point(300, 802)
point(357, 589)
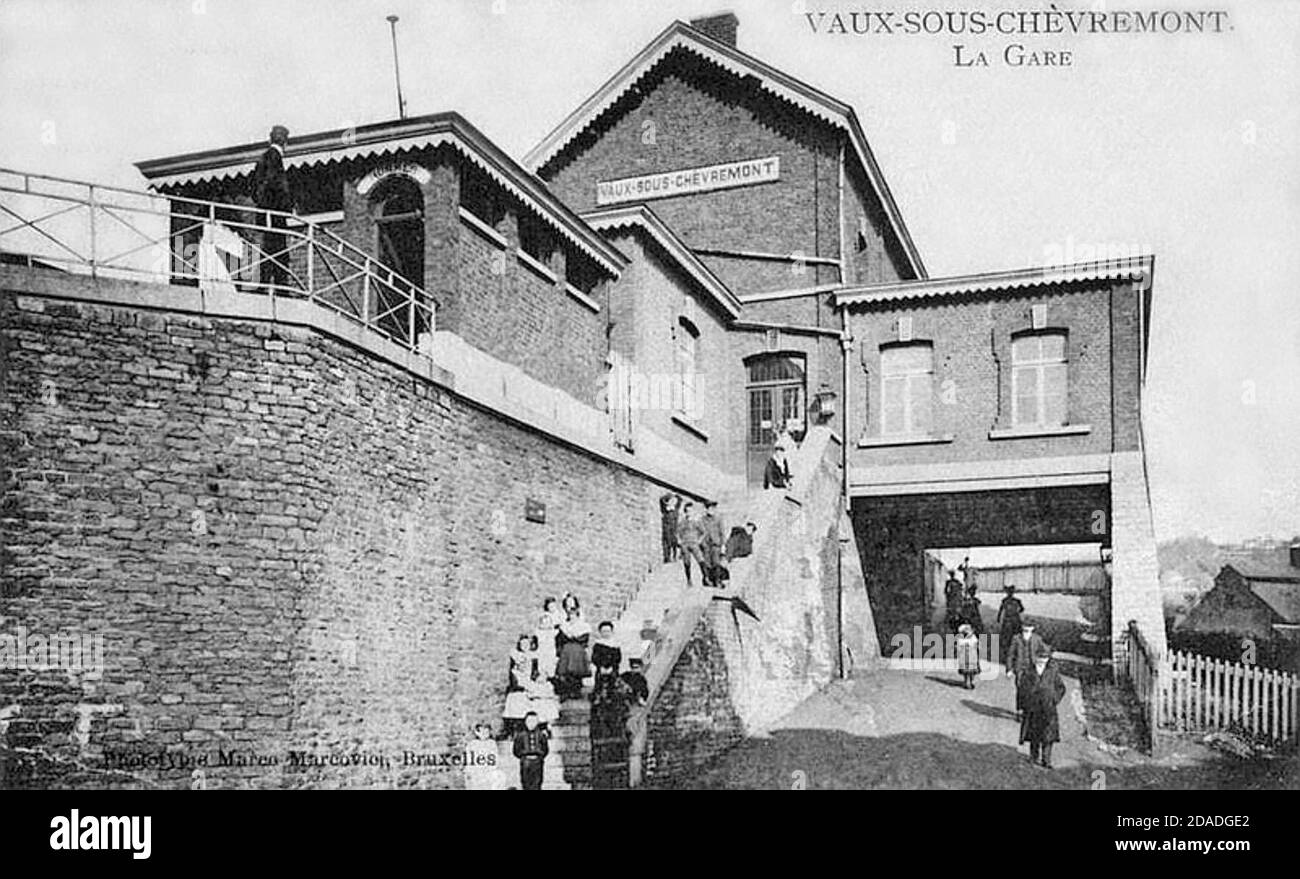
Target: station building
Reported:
point(707, 252)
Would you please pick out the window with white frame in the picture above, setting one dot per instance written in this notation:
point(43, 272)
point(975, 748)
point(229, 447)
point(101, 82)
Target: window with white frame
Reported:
point(1038, 379)
point(686, 343)
point(906, 389)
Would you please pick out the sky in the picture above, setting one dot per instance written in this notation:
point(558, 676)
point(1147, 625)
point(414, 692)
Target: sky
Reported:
point(1184, 145)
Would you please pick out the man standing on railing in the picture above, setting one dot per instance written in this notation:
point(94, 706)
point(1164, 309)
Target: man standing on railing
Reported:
point(271, 192)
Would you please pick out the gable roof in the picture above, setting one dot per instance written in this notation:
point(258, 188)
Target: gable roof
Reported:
point(385, 138)
point(1267, 566)
point(1283, 598)
point(639, 216)
point(680, 35)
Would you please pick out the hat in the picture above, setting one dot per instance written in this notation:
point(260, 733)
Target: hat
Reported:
point(1008, 588)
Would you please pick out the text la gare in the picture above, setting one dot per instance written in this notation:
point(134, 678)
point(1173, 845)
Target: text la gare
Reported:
point(1014, 55)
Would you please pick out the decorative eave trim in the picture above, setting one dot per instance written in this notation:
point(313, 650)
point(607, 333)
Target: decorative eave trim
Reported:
point(394, 137)
point(1138, 268)
point(680, 35)
point(640, 216)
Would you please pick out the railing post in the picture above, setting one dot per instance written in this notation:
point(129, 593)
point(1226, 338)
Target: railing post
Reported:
point(93, 261)
point(410, 308)
point(365, 295)
point(311, 248)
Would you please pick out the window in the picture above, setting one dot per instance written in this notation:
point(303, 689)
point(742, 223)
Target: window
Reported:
point(686, 340)
point(480, 196)
point(581, 273)
point(1038, 379)
point(907, 385)
point(535, 239)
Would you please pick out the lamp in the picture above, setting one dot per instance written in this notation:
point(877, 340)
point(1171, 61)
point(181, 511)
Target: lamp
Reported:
point(824, 401)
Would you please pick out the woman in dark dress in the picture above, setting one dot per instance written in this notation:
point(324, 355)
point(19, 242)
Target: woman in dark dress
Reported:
point(573, 638)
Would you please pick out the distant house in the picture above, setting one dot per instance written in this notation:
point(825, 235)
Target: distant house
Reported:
point(1253, 597)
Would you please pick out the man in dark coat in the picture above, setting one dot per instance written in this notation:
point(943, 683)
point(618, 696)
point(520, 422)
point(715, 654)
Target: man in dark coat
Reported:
point(777, 472)
point(952, 601)
point(531, 746)
point(1008, 621)
point(689, 535)
point(712, 543)
point(635, 680)
point(1044, 690)
point(271, 192)
point(669, 504)
point(1020, 661)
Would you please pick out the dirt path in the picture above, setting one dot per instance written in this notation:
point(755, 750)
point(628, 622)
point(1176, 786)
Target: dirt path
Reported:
point(921, 729)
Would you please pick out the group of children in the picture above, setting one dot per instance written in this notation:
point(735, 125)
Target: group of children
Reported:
point(551, 664)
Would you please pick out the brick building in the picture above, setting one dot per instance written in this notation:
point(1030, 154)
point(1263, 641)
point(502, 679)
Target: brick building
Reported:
point(322, 524)
point(707, 248)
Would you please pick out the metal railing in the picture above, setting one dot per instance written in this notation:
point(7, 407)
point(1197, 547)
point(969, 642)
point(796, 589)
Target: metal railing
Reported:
point(113, 232)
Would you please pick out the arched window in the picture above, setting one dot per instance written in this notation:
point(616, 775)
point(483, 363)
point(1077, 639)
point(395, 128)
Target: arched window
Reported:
point(906, 389)
point(1038, 379)
point(397, 205)
point(686, 340)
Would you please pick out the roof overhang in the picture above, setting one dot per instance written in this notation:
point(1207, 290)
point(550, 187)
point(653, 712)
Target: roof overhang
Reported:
point(640, 217)
point(1138, 268)
point(680, 35)
point(385, 138)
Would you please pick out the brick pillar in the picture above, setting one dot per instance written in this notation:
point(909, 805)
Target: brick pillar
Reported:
point(1135, 573)
point(442, 241)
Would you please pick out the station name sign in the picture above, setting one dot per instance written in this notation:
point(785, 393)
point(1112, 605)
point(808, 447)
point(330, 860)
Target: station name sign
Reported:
point(689, 180)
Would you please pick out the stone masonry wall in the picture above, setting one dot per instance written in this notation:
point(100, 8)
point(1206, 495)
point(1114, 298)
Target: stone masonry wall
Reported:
point(286, 544)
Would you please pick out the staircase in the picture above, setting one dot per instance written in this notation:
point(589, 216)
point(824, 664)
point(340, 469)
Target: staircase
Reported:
point(638, 630)
point(568, 766)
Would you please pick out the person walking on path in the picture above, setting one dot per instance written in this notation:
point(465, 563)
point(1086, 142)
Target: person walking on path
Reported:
point(970, 610)
point(968, 655)
point(1041, 726)
point(531, 746)
point(669, 505)
point(952, 601)
point(1020, 662)
point(689, 535)
point(1008, 621)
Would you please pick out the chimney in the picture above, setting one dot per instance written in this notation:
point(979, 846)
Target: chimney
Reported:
point(722, 27)
point(1295, 555)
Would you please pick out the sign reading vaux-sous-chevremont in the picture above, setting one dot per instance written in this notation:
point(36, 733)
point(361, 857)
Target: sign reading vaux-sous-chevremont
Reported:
point(688, 180)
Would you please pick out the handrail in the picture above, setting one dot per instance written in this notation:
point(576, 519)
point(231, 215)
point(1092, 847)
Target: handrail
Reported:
point(193, 242)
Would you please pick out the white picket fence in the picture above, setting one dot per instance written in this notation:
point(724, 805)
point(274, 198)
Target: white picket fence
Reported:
point(1187, 692)
point(1202, 693)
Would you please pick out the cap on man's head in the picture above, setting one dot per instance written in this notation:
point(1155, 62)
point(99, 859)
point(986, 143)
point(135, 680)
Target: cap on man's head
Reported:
point(279, 134)
point(1008, 588)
